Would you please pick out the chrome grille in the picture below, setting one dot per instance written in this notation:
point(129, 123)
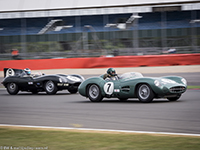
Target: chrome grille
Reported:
point(177, 89)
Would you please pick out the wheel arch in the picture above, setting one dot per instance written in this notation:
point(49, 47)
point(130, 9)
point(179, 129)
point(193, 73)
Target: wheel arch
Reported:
point(46, 80)
point(138, 84)
point(55, 89)
point(86, 88)
point(100, 87)
point(10, 90)
point(19, 86)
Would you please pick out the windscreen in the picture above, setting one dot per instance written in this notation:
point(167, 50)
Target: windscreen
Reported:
point(131, 75)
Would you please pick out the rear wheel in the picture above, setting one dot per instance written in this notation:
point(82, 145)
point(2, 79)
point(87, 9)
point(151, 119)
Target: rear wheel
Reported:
point(174, 98)
point(145, 93)
point(12, 88)
point(50, 87)
point(94, 93)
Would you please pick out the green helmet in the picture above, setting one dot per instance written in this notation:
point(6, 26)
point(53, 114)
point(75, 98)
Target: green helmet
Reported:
point(111, 72)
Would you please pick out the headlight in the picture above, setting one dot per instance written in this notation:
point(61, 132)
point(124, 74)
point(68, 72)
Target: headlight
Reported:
point(62, 80)
point(157, 83)
point(184, 81)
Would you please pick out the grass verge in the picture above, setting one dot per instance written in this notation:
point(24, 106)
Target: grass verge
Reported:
point(193, 87)
point(31, 139)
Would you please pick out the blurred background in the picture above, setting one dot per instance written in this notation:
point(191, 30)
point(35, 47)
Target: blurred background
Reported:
point(43, 29)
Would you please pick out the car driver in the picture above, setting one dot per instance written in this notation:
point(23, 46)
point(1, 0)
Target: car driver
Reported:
point(26, 72)
point(110, 74)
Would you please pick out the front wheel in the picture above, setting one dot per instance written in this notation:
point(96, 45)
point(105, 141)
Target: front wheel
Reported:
point(94, 93)
point(12, 88)
point(145, 93)
point(50, 87)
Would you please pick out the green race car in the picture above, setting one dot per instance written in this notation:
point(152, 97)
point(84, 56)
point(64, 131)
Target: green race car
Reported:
point(133, 85)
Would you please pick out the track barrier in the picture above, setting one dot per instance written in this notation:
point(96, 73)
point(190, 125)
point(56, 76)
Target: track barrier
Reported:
point(103, 62)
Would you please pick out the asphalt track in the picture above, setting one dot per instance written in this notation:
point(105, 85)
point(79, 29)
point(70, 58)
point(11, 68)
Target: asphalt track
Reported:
point(66, 110)
point(74, 111)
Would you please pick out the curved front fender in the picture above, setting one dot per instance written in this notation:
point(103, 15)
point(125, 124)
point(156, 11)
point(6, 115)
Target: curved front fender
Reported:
point(82, 89)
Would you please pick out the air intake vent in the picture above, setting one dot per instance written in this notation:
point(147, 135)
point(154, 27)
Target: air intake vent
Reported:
point(177, 89)
point(125, 88)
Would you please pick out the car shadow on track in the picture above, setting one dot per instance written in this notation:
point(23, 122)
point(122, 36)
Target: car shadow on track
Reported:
point(126, 102)
point(43, 94)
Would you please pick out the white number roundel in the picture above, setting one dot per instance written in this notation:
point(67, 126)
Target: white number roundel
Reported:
point(108, 88)
point(73, 78)
point(10, 72)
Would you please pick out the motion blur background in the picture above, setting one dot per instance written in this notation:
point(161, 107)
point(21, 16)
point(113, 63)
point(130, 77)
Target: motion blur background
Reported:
point(40, 29)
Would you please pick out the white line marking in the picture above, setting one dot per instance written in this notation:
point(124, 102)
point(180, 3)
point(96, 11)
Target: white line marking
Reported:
point(102, 130)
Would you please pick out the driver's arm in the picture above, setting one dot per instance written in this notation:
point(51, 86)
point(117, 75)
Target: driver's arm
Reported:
point(117, 76)
point(106, 76)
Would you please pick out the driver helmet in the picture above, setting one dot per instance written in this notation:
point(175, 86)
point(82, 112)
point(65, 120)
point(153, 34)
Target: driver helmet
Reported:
point(27, 71)
point(111, 72)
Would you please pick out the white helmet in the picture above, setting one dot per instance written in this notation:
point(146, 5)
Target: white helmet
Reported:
point(28, 71)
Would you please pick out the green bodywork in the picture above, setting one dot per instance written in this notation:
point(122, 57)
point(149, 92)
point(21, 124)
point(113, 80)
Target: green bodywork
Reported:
point(127, 84)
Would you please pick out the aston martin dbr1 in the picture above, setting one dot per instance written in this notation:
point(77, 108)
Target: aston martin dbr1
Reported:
point(16, 80)
point(133, 85)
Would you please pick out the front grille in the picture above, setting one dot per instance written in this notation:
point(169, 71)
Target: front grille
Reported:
point(177, 89)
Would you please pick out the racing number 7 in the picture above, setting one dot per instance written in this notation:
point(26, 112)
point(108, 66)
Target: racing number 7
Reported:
point(109, 84)
point(108, 88)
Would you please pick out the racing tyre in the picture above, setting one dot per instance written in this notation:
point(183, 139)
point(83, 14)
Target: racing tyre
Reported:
point(174, 98)
point(145, 93)
point(50, 87)
point(12, 88)
point(94, 93)
point(72, 91)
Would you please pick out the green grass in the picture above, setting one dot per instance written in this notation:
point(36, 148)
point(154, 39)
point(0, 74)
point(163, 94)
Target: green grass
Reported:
point(193, 87)
point(25, 138)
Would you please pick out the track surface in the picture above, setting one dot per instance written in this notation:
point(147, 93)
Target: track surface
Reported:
point(66, 110)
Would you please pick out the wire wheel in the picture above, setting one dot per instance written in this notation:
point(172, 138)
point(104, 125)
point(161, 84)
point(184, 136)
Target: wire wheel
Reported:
point(50, 87)
point(144, 93)
point(12, 88)
point(94, 93)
